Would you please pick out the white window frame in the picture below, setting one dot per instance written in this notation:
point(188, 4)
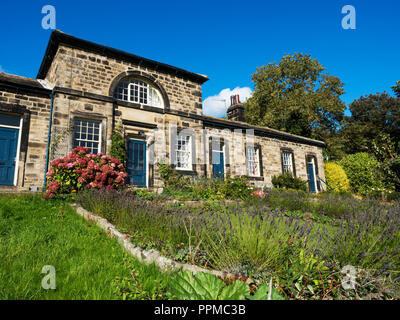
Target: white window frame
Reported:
point(138, 84)
point(314, 164)
point(188, 152)
point(287, 162)
point(18, 144)
point(253, 161)
point(148, 90)
point(87, 140)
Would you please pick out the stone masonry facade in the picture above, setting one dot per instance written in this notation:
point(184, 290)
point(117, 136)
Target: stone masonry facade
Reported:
point(77, 81)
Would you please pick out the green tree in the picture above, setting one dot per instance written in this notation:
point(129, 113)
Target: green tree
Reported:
point(363, 172)
point(388, 155)
point(370, 116)
point(396, 89)
point(296, 96)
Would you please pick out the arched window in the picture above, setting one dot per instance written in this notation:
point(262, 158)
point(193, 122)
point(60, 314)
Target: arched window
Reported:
point(138, 91)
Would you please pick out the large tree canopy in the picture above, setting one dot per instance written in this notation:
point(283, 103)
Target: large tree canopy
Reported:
point(296, 96)
point(370, 116)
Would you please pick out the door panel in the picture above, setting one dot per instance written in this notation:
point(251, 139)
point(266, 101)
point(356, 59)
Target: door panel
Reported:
point(218, 164)
point(136, 164)
point(8, 153)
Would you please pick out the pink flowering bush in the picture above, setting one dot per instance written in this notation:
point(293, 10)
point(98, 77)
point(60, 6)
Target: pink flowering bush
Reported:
point(259, 193)
point(80, 169)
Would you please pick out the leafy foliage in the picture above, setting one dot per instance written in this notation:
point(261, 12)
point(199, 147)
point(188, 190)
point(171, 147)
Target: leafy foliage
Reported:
point(388, 155)
point(205, 286)
point(79, 170)
point(307, 277)
point(336, 177)
point(296, 96)
point(262, 293)
point(118, 149)
point(236, 188)
point(171, 178)
point(288, 181)
point(370, 116)
point(363, 171)
point(396, 89)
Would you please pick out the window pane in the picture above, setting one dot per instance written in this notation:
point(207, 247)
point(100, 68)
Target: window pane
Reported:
point(287, 162)
point(253, 162)
point(83, 135)
point(183, 152)
point(9, 120)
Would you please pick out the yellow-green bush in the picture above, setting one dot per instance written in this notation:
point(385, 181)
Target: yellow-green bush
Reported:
point(336, 177)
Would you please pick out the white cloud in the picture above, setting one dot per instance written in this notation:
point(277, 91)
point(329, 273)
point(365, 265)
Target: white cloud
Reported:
point(1, 69)
point(217, 105)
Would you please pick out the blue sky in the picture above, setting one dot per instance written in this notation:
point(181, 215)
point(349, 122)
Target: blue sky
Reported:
point(226, 40)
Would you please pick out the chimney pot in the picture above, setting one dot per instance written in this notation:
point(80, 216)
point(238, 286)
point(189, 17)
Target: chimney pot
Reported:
point(236, 109)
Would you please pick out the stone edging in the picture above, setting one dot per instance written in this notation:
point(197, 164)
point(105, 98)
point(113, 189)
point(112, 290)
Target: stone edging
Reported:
point(146, 256)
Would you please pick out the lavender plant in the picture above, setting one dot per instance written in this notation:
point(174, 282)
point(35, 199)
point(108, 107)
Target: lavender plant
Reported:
point(255, 240)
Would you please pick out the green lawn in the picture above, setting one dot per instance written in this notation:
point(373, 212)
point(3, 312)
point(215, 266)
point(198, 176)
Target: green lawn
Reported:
point(36, 232)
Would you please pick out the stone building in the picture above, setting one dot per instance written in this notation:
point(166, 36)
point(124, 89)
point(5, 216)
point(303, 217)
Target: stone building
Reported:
point(83, 90)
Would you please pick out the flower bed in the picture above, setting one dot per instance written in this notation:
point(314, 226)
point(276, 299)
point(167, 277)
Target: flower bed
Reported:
point(253, 241)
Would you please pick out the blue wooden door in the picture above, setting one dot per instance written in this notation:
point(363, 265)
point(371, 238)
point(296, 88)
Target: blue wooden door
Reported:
point(8, 153)
point(310, 169)
point(218, 164)
point(136, 164)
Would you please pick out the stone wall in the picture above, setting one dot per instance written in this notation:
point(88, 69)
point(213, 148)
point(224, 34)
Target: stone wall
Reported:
point(66, 108)
point(32, 157)
point(89, 72)
point(235, 141)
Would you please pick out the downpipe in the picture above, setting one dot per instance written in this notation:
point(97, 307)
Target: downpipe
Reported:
point(48, 139)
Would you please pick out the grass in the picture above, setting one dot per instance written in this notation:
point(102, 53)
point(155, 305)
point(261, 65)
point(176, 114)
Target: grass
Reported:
point(88, 264)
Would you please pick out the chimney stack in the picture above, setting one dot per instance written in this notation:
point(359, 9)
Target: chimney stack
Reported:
point(236, 110)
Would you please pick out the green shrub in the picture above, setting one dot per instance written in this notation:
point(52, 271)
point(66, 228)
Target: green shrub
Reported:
point(291, 200)
point(336, 177)
point(393, 196)
point(171, 178)
point(118, 149)
point(363, 172)
point(288, 181)
point(236, 188)
point(207, 189)
point(202, 188)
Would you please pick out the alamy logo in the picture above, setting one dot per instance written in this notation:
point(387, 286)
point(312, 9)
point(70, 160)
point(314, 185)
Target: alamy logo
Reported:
point(49, 20)
point(349, 279)
point(349, 20)
point(49, 280)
